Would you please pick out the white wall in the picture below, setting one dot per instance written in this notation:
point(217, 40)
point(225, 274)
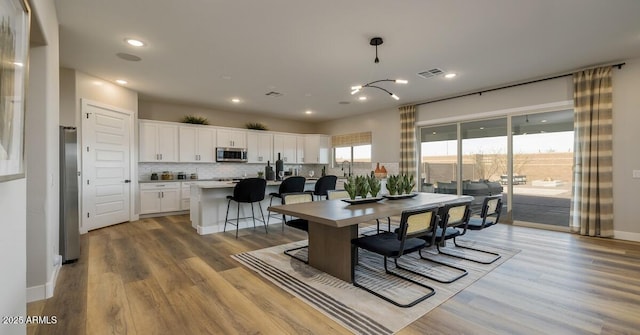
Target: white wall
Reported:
point(385, 131)
point(164, 111)
point(545, 92)
point(13, 203)
point(41, 150)
point(626, 119)
point(77, 85)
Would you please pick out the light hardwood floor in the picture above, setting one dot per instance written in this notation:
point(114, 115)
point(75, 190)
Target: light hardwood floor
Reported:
point(157, 276)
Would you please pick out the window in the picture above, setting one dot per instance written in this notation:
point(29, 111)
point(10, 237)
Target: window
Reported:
point(353, 148)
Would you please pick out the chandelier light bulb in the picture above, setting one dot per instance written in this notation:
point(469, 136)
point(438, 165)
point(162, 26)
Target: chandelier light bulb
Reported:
point(401, 81)
point(395, 96)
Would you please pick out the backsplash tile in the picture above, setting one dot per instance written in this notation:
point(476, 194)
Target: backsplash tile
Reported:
point(217, 170)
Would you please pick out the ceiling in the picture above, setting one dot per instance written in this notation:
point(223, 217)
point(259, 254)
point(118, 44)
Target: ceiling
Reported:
point(206, 52)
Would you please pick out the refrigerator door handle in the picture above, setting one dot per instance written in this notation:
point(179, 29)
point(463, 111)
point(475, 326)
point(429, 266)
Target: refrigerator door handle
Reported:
point(126, 181)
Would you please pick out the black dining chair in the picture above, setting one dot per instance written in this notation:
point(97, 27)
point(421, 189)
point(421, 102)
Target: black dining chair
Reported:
point(301, 224)
point(489, 216)
point(324, 184)
point(250, 190)
point(293, 184)
point(454, 220)
point(406, 239)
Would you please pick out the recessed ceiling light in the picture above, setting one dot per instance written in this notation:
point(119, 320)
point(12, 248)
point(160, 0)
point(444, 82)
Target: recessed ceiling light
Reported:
point(362, 98)
point(434, 133)
point(308, 112)
point(543, 121)
point(122, 82)
point(134, 42)
point(235, 100)
point(481, 128)
point(450, 75)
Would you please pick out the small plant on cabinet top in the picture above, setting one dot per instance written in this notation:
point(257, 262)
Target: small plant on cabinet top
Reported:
point(256, 126)
point(195, 119)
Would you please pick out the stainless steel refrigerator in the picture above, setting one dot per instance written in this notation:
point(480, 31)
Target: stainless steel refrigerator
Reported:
point(69, 215)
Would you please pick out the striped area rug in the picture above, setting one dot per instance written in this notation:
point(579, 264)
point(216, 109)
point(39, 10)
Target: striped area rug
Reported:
point(356, 309)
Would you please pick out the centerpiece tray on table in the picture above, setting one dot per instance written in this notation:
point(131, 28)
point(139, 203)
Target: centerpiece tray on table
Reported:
point(399, 196)
point(359, 201)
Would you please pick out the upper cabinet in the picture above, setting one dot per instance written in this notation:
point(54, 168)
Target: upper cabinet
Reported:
point(285, 145)
point(228, 138)
point(259, 147)
point(299, 149)
point(316, 149)
point(158, 141)
point(197, 144)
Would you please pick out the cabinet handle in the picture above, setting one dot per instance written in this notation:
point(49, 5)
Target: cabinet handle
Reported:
point(162, 194)
point(285, 159)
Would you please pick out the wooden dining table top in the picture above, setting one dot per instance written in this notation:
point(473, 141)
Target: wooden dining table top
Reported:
point(338, 213)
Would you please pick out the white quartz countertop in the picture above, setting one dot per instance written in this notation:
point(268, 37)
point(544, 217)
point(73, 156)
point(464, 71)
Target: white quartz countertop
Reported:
point(230, 184)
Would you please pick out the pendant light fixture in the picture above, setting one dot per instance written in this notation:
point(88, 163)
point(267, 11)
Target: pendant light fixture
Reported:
point(355, 89)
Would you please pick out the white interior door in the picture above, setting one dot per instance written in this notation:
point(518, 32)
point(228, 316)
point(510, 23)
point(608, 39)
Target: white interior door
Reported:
point(107, 135)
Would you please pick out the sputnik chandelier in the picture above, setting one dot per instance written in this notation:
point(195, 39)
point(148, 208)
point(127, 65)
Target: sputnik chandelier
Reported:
point(355, 89)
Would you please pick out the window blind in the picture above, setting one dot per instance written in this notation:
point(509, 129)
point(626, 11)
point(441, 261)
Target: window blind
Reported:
point(349, 140)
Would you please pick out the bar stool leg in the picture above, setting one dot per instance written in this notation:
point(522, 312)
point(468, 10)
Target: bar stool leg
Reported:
point(253, 215)
point(262, 214)
point(226, 218)
point(238, 221)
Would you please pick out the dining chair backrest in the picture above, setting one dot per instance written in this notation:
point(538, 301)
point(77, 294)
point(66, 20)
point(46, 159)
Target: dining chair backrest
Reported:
point(337, 194)
point(250, 190)
point(455, 215)
point(296, 198)
point(417, 223)
point(492, 205)
point(292, 184)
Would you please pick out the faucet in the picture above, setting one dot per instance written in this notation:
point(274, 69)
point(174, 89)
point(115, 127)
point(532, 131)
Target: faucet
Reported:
point(349, 168)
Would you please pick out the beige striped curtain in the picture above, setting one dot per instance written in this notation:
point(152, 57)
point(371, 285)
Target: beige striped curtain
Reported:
point(592, 203)
point(408, 139)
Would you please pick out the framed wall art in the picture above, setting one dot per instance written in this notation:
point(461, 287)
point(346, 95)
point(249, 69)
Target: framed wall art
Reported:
point(14, 52)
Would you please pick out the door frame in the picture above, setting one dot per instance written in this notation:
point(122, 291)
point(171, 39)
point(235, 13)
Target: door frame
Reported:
point(133, 158)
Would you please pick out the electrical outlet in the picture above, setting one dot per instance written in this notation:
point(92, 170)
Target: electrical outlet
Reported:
point(636, 174)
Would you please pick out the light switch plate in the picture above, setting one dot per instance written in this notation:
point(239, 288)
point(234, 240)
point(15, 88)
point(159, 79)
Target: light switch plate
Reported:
point(636, 174)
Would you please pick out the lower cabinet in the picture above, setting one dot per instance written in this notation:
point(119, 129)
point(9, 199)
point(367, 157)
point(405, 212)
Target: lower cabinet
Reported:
point(160, 197)
point(185, 199)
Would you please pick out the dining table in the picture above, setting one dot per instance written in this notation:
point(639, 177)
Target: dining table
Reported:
point(334, 223)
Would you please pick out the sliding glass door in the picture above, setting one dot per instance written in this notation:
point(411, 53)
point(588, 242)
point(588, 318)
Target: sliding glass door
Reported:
point(542, 167)
point(526, 158)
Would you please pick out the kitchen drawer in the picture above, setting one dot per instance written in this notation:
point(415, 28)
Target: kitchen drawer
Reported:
point(157, 186)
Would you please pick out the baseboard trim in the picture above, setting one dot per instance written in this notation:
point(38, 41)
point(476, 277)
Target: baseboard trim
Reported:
point(41, 292)
point(627, 236)
point(205, 230)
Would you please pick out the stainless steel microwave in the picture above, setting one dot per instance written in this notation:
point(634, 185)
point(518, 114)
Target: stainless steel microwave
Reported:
point(231, 155)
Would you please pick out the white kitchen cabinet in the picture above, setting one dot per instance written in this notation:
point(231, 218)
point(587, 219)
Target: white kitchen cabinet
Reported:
point(185, 196)
point(159, 197)
point(286, 146)
point(316, 149)
point(259, 147)
point(158, 141)
point(299, 149)
point(197, 144)
point(228, 138)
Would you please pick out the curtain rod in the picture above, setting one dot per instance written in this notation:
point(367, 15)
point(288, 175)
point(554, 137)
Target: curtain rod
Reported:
point(618, 65)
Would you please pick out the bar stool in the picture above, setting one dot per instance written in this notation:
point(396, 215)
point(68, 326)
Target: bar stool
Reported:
point(250, 190)
point(294, 184)
point(324, 184)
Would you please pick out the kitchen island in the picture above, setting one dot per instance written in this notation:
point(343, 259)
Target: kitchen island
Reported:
point(208, 205)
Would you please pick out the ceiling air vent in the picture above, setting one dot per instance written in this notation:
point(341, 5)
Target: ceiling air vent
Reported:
point(431, 73)
point(274, 94)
